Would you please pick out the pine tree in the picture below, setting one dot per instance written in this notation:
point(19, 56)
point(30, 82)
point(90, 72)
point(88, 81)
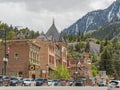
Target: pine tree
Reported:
point(106, 62)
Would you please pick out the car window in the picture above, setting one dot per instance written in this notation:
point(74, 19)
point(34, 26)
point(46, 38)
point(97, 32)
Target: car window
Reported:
point(49, 81)
point(39, 80)
point(6, 77)
point(0, 77)
point(114, 83)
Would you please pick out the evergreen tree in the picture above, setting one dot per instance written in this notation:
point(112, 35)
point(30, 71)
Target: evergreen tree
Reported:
point(106, 62)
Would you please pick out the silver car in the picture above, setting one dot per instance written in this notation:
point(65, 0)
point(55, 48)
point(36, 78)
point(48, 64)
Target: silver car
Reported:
point(50, 82)
point(27, 82)
point(114, 85)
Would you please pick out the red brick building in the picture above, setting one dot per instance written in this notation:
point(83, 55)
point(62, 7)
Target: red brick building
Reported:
point(80, 68)
point(53, 51)
point(22, 54)
point(44, 52)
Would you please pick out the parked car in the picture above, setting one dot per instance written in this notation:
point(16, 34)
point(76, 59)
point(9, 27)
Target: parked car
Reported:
point(39, 81)
point(63, 82)
point(70, 82)
point(14, 81)
point(27, 81)
point(55, 82)
point(4, 80)
point(50, 82)
point(114, 85)
point(79, 83)
point(1, 80)
point(102, 83)
point(20, 80)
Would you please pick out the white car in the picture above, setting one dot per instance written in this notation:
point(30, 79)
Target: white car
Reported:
point(27, 82)
point(50, 82)
point(114, 85)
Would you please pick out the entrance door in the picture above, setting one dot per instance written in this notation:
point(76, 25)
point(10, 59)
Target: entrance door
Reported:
point(33, 76)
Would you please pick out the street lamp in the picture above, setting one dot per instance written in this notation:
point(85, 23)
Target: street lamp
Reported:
point(47, 70)
point(78, 63)
point(5, 59)
point(76, 68)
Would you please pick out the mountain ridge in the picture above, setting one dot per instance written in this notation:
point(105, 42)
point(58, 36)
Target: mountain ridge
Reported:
point(94, 19)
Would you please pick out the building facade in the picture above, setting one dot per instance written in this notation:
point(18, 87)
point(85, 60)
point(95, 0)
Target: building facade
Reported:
point(80, 69)
point(23, 54)
point(36, 57)
point(53, 51)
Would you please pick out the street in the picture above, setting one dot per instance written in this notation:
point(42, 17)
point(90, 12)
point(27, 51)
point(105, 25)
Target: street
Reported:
point(53, 88)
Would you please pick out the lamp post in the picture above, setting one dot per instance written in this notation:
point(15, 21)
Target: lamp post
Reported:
point(5, 59)
point(47, 71)
point(76, 68)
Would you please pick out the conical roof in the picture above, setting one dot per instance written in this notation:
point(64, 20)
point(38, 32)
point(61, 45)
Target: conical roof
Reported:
point(53, 32)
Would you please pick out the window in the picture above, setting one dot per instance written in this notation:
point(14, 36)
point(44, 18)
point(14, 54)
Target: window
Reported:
point(16, 56)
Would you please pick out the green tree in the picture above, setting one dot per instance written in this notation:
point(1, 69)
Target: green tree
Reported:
point(11, 35)
point(116, 57)
point(94, 71)
point(106, 62)
point(60, 72)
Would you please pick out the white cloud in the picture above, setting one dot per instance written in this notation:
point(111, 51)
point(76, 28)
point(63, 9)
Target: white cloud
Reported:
point(38, 14)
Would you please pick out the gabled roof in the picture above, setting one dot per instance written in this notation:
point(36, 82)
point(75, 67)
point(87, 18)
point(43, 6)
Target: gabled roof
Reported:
point(53, 32)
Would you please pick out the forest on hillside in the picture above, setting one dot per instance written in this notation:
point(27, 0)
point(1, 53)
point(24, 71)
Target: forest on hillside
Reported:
point(107, 60)
point(13, 33)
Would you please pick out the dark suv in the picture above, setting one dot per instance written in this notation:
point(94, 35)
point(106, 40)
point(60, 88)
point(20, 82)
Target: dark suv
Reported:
point(39, 81)
point(14, 81)
point(79, 83)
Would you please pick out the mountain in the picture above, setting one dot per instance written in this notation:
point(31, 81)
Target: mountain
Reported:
point(93, 20)
point(110, 31)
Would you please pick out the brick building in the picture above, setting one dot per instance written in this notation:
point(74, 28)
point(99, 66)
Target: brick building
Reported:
point(44, 52)
point(81, 68)
point(53, 51)
point(22, 54)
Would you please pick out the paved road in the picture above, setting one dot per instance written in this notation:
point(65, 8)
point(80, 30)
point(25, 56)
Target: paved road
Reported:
point(53, 88)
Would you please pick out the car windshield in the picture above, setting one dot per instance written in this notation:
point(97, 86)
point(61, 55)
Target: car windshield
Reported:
point(55, 80)
point(13, 79)
point(101, 81)
point(114, 83)
point(70, 80)
point(27, 80)
point(49, 80)
point(79, 81)
point(39, 80)
point(0, 76)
